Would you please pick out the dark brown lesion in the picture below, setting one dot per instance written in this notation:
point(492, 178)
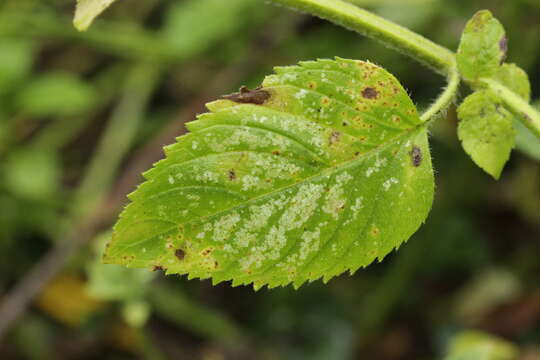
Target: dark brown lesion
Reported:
point(370, 93)
point(416, 156)
point(180, 254)
point(257, 96)
point(231, 174)
point(503, 46)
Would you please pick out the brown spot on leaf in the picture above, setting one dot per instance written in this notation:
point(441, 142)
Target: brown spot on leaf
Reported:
point(246, 96)
point(370, 93)
point(276, 152)
point(206, 252)
point(231, 174)
point(334, 137)
point(416, 156)
point(180, 254)
point(503, 45)
point(157, 268)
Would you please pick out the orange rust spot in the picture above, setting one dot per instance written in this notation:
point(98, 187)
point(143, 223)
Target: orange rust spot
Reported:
point(325, 101)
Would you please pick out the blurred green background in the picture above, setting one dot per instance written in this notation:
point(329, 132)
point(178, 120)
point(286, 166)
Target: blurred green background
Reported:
point(83, 114)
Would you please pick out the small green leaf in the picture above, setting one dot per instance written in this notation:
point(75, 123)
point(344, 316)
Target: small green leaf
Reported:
point(55, 94)
point(87, 11)
point(514, 78)
point(190, 26)
point(324, 169)
point(32, 173)
point(475, 345)
point(113, 282)
point(483, 47)
point(486, 131)
point(15, 62)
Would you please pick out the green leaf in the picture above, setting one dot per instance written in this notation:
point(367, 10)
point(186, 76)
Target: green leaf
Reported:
point(514, 78)
point(15, 62)
point(56, 94)
point(483, 47)
point(475, 345)
point(486, 131)
point(322, 170)
point(113, 282)
point(87, 11)
point(33, 173)
point(191, 26)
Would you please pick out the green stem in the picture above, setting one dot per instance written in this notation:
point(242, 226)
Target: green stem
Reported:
point(446, 98)
point(524, 111)
point(398, 37)
point(115, 142)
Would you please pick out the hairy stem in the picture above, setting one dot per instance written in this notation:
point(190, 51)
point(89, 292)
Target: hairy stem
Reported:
point(398, 37)
point(446, 98)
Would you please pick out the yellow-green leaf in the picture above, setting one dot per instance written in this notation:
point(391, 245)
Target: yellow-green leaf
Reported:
point(483, 47)
point(87, 11)
point(486, 131)
point(476, 345)
point(323, 169)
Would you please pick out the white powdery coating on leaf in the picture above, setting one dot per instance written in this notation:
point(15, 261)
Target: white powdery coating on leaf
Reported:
point(208, 176)
point(260, 214)
point(379, 163)
point(355, 209)
point(310, 243)
point(275, 167)
point(389, 183)
point(301, 208)
point(301, 94)
point(335, 200)
point(250, 182)
point(225, 226)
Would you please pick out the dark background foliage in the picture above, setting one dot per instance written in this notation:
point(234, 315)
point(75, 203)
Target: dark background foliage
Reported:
point(83, 114)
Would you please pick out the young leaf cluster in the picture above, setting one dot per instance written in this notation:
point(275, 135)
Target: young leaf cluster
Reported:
point(486, 127)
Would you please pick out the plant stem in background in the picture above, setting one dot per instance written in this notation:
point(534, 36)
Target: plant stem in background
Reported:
point(115, 143)
point(123, 125)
